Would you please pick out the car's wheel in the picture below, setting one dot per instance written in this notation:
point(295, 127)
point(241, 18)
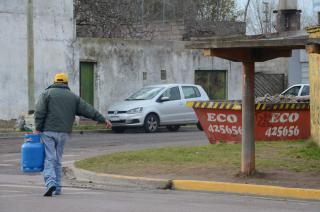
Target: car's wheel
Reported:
point(151, 123)
point(173, 128)
point(199, 126)
point(118, 129)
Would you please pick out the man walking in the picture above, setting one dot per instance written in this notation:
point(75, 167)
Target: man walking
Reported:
point(54, 116)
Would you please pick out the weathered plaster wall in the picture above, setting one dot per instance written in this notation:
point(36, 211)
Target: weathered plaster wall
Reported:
point(120, 66)
point(53, 36)
point(275, 66)
point(12, 58)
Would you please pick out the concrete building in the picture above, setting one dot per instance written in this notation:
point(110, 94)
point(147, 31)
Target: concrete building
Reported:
point(103, 70)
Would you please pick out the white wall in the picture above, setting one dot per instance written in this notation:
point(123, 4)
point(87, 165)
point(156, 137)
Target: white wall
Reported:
point(53, 36)
point(13, 57)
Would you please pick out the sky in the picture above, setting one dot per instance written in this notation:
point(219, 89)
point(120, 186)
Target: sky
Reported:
point(305, 5)
point(308, 14)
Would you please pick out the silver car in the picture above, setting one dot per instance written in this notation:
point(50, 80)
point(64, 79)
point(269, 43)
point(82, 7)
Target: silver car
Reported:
point(297, 90)
point(157, 105)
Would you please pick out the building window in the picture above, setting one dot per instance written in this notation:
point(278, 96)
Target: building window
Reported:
point(163, 74)
point(144, 75)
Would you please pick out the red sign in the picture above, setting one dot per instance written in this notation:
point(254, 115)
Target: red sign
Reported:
point(270, 125)
point(282, 125)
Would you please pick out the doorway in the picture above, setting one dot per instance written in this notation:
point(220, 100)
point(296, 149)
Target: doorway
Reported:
point(87, 81)
point(214, 82)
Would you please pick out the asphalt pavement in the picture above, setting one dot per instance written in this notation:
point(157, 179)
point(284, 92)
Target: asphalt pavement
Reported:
point(23, 192)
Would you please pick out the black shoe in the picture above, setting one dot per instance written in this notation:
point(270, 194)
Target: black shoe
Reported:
point(49, 191)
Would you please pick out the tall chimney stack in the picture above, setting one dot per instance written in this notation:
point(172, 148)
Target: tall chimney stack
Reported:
point(288, 16)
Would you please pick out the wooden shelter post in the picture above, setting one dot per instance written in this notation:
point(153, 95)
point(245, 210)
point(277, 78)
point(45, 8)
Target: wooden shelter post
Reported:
point(248, 109)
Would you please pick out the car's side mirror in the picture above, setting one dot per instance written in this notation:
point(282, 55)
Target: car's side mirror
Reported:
point(164, 99)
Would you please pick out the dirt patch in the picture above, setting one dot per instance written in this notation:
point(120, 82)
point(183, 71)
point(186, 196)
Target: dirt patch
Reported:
point(283, 178)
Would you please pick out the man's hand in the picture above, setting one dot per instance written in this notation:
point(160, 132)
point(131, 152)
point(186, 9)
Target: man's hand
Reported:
point(36, 132)
point(108, 124)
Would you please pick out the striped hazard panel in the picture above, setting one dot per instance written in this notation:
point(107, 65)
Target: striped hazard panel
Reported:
point(283, 106)
point(232, 105)
point(236, 105)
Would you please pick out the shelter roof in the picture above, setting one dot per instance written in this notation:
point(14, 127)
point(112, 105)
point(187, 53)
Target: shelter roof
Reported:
point(255, 48)
point(293, 40)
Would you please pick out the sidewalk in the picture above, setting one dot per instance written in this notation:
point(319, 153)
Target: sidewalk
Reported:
point(12, 134)
point(193, 185)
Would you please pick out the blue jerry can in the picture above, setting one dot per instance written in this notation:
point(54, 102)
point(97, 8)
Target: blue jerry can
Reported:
point(32, 154)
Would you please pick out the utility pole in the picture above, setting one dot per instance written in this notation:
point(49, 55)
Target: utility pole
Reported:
point(266, 20)
point(142, 12)
point(30, 55)
point(163, 10)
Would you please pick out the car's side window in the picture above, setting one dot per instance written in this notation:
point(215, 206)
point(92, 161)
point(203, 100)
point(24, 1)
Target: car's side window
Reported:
point(173, 93)
point(190, 92)
point(305, 90)
point(293, 91)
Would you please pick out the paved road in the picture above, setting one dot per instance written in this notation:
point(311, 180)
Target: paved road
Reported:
point(20, 192)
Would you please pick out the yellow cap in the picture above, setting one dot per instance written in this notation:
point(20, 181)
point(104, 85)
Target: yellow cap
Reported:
point(61, 77)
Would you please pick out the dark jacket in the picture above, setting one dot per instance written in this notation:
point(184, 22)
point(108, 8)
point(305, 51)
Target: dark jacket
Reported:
point(57, 107)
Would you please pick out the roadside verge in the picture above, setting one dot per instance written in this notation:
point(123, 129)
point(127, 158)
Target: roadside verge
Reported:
point(193, 185)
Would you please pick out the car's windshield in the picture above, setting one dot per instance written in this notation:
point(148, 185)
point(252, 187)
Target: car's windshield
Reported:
point(294, 91)
point(145, 93)
point(305, 90)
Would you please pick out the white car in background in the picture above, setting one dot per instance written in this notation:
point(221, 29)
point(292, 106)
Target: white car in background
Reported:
point(297, 90)
point(157, 105)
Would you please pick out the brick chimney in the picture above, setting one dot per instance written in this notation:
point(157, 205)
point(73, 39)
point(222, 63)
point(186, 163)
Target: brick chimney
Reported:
point(288, 16)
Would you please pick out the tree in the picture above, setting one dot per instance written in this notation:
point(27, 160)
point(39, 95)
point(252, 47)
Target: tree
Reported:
point(246, 11)
point(130, 18)
point(214, 10)
point(308, 15)
point(260, 18)
point(308, 20)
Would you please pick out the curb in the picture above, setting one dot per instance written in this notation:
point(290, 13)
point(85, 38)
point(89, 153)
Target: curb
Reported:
point(118, 180)
point(193, 185)
point(251, 189)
